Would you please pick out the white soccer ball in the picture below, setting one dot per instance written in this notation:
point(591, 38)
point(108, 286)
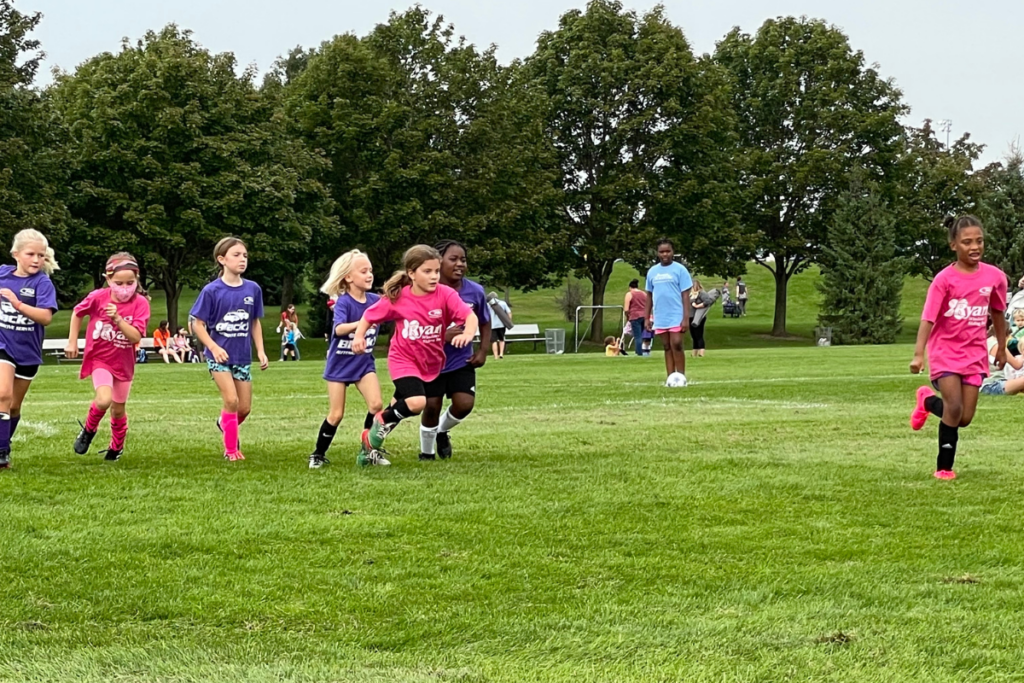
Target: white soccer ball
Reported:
point(676, 380)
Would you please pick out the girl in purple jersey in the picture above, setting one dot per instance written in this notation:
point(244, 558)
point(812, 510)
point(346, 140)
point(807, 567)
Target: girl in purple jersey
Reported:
point(27, 303)
point(457, 380)
point(227, 321)
point(351, 280)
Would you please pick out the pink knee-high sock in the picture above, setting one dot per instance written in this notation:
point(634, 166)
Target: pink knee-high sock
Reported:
point(229, 423)
point(118, 432)
point(93, 419)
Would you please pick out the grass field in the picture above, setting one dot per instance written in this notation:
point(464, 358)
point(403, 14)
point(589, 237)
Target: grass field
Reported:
point(777, 520)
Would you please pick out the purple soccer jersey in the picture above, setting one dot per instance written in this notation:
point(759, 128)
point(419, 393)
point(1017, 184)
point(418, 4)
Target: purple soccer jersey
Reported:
point(20, 336)
point(473, 295)
point(229, 313)
point(343, 365)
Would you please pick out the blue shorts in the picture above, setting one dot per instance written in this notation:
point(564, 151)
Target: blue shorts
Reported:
point(239, 373)
point(995, 388)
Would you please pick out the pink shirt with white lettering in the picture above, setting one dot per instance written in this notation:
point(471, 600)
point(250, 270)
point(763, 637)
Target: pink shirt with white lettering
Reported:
point(958, 304)
point(417, 346)
point(105, 345)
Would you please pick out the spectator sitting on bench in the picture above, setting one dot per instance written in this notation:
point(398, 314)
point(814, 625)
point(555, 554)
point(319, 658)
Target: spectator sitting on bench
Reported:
point(180, 344)
point(162, 342)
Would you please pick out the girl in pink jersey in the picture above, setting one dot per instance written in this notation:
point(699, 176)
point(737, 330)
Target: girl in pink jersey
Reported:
point(954, 326)
point(422, 310)
point(117, 314)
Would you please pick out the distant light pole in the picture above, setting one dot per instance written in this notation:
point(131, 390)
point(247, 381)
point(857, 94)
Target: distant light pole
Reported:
point(947, 126)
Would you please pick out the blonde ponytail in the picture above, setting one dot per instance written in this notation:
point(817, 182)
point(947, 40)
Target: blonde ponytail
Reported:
point(340, 269)
point(413, 258)
point(50, 262)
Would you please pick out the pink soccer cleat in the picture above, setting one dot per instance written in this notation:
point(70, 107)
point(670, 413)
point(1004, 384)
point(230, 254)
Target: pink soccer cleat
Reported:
point(919, 416)
point(945, 474)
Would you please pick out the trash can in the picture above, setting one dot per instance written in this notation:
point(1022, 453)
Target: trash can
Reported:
point(823, 336)
point(554, 341)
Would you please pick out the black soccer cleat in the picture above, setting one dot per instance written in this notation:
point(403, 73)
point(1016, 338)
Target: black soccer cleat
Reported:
point(112, 454)
point(444, 445)
point(427, 456)
point(84, 440)
point(5, 459)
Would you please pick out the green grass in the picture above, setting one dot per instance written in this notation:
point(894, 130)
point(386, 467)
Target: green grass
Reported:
point(776, 520)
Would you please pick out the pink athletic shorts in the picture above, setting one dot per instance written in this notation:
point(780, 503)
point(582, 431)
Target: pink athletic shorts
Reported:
point(665, 330)
point(969, 380)
point(119, 389)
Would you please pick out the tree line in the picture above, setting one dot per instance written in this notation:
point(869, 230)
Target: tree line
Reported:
point(783, 147)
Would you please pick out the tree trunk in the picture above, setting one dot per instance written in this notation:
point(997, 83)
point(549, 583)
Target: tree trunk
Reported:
point(287, 290)
point(599, 282)
point(173, 293)
point(781, 274)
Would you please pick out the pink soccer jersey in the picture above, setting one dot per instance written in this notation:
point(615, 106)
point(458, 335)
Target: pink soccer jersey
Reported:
point(958, 304)
point(105, 345)
point(417, 346)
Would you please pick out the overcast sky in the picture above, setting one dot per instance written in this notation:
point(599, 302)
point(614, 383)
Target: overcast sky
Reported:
point(953, 59)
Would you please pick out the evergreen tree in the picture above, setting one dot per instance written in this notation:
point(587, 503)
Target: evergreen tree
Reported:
point(862, 277)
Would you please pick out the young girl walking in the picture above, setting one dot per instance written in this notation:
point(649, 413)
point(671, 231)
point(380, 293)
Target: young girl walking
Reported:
point(423, 309)
point(227, 322)
point(117, 314)
point(457, 380)
point(953, 328)
point(28, 301)
point(350, 281)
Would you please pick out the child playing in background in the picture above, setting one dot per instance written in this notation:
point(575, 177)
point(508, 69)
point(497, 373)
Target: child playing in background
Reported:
point(423, 310)
point(227, 321)
point(28, 301)
point(611, 347)
point(953, 325)
point(349, 286)
point(117, 314)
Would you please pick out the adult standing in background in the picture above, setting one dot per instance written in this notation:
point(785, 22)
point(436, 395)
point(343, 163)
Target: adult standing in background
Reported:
point(698, 309)
point(741, 295)
point(498, 326)
point(289, 315)
point(635, 308)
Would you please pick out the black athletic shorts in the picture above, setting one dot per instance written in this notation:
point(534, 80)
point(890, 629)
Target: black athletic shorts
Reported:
point(407, 387)
point(20, 371)
point(460, 381)
point(497, 334)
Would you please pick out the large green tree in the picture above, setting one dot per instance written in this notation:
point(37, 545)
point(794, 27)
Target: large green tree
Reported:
point(1002, 211)
point(170, 150)
point(31, 172)
point(637, 122)
point(809, 112)
point(935, 180)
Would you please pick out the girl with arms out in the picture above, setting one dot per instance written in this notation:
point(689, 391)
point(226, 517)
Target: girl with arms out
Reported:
point(350, 281)
point(953, 331)
point(27, 303)
point(117, 314)
point(457, 380)
point(423, 310)
point(227, 322)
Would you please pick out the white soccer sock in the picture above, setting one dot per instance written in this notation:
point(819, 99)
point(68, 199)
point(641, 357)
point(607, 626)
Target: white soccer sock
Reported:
point(448, 422)
point(428, 437)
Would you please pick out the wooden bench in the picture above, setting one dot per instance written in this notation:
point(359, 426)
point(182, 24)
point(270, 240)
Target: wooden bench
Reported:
point(55, 348)
point(522, 333)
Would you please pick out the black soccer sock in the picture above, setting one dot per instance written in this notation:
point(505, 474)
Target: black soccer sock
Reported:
point(368, 422)
point(324, 437)
point(948, 437)
point(397, 412)
point(933, 404)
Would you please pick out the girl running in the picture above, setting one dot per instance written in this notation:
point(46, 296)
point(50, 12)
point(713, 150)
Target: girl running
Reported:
point(350, 282)
point(27, 303)
point(117, 314)
point(422, 310)
point(457, 380)
point(227, 322)
point(953, 325)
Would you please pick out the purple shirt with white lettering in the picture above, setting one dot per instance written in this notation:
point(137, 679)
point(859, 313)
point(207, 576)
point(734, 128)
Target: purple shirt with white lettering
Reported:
point(343, 365)
point(20, 336)
point(229, 313)
point(473, 295)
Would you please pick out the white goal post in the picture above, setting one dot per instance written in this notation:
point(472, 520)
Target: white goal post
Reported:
point(576, 323)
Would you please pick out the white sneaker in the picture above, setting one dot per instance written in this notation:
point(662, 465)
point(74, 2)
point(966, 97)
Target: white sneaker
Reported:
point(377, 458)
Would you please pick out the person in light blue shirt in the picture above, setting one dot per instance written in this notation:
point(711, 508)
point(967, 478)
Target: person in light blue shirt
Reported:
point(668, 298)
